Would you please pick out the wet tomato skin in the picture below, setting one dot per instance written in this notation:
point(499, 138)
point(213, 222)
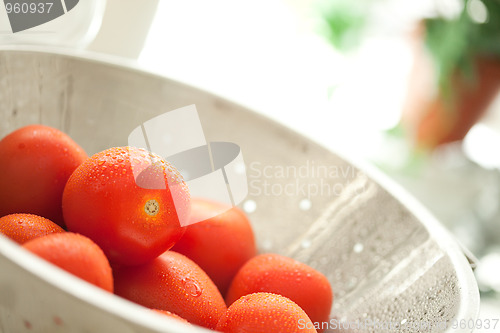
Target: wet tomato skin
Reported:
point(172, 282)
point(77, 255)
point(24, 227)
point(265, 312)
point(35, 164)
point(285, 276)
point(171, 315)
point(221, 244)
point(123, 199)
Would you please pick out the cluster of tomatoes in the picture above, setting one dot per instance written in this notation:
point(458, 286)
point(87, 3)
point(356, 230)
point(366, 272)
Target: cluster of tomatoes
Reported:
point(115, 220)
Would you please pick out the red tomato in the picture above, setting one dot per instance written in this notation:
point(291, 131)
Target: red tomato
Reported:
point(171, 315)
point(265, 312)
point(35, 163)
point(219, 245)
point(76, 254)
point(287, 277)
point(174, 283)
point(123, 199)
point(24, 227)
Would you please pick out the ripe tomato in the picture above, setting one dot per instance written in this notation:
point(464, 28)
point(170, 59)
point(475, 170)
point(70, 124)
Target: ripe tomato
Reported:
point(24, 227)
point(129, 201)
point(76, 254)
point(171, 315)
point(265, 312)
point(202, 241)
point(35, 163)
point(174, 283)
point(287, 277)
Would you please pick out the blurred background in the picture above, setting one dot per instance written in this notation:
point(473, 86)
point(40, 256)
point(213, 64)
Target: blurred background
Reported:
point(408, 86)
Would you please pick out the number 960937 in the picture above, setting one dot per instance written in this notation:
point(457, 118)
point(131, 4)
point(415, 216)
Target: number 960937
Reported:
point(28, 7)
point(471, 324)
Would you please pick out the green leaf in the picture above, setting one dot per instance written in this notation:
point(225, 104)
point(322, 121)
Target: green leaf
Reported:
point(346, 22)
point(454, 44)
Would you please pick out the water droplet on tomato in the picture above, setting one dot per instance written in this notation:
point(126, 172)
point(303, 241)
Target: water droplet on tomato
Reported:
point(192, 287)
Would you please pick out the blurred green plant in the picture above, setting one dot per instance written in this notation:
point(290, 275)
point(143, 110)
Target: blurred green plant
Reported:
point(462, 39)
point(453, 43)
point(346, 22)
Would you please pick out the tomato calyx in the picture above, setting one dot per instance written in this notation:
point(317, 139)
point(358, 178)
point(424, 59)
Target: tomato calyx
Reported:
point(152, 207)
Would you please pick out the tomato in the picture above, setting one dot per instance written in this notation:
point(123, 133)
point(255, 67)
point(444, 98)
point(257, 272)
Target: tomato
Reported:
point(35, 163)
point(24, 227)
point(265, 312)
point(171, 315)
point(174, 283)
point(287, 277)
point(77, 255)
point(202, 241)
point(129, 201)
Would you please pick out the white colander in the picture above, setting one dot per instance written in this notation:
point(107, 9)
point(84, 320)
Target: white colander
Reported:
point(389, 262)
